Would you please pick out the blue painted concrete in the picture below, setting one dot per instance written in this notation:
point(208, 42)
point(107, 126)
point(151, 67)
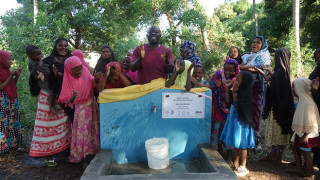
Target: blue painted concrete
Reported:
point(126, 125)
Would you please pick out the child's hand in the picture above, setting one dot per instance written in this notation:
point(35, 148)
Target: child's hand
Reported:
point(304, 139)
point(142, 51)
point(107, 70)
point(40, 76)
point(73, 97)
point(97, 75)
point(18, 71)
point(55, 70)
point(118, 70)
point(267, 68)
point(191, 66)
point(176, 66)
point(228, 84)
point(193, 80)
point(217, 83)
point(315, 84)
point(227, 58)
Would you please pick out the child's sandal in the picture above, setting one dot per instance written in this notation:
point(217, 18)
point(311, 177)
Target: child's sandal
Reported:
point(51, 163)
point(242, 171)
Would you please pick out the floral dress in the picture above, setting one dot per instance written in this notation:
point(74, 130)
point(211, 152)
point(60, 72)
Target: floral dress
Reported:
point(10, 125)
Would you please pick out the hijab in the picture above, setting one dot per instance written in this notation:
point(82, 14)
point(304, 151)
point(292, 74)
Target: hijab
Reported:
point(261, 57)
point(54, 82)
point(244, 102)
point(224, 78)
point(101, 64)
point(79, 54)
point(191, 56)
point(181, 79)
point(279, 95)
point(83, 85)
point(11, 89)
point(306, 117)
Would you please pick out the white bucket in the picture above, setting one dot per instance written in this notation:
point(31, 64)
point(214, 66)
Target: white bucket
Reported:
point(157, 153)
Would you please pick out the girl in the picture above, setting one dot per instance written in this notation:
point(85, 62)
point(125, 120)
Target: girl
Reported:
point(238, 131)
point(279, 101)
point(196, 79)
point(10, 125)
point(105, 58)
point(126, 65)
point(220, 109)
point(305, 125)
point(113, 77)
point(180, 77)
point(234, 53)
point(79, 54)
point(77, 92)
point(258, 57)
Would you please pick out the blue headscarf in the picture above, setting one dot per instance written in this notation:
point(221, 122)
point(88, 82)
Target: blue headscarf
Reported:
point(191, 56)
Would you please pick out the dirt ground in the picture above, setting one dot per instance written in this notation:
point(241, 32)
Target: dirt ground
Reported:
point(19, 165)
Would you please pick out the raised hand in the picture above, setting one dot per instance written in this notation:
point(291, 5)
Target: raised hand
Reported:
point(227, 58)
point(176, 66)
point(107, 70)
point(142, 51)
point(191, 66)
point(166, 56)
point(18, 71)
point(118, 70)
point(228, 84)
point(193, 80)
point(40, 76)
point(55, 70)
point(315, 84)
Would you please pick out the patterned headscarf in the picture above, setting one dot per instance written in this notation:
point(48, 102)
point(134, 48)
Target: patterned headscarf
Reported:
point(260, 58)
point(191, 56)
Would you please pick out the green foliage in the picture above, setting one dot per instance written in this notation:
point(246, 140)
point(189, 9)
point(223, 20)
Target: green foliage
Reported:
point(225, 12)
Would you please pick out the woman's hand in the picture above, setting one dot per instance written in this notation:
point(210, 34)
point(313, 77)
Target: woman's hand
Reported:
point(142, 51)
point(258, 70)
point(40, 76)
point(16, 71)
point(55, 70)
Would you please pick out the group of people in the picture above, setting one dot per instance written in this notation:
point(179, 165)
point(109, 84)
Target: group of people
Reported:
point(246, 88)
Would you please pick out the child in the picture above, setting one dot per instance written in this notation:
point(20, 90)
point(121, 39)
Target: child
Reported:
point(126, 65)
point(238, 131)
point(180, 77)
point(220, 109)
point(77, 92)
point(39, 75)
point(196, 79)
point(305, 125)
point(10, 125)
point(113, 77)
point(79, 54)
point(234, 53)
point(279, 106)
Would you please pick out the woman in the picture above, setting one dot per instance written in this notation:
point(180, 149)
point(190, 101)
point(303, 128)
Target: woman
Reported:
point(279, 101)
point(258, 58)
point(10, 125)
point(52, 133)
point(189, 49)
point(106, 57)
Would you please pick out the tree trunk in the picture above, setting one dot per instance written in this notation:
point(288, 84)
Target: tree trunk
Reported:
point(172, 29)
point(255, 17)
point(205, 40)
point(77, 42)
point(35, 11)
point(296, 26)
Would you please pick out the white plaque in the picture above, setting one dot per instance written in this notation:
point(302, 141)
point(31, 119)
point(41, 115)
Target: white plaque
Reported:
point(182, 105)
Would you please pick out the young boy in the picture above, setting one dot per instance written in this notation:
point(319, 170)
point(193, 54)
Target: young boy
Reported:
point(38, 72)
point(197, 76)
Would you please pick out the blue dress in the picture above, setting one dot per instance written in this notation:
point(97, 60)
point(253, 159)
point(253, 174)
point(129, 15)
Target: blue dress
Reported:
point(235, 133)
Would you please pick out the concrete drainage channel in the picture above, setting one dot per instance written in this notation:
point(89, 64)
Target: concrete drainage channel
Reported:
point(209, 165)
